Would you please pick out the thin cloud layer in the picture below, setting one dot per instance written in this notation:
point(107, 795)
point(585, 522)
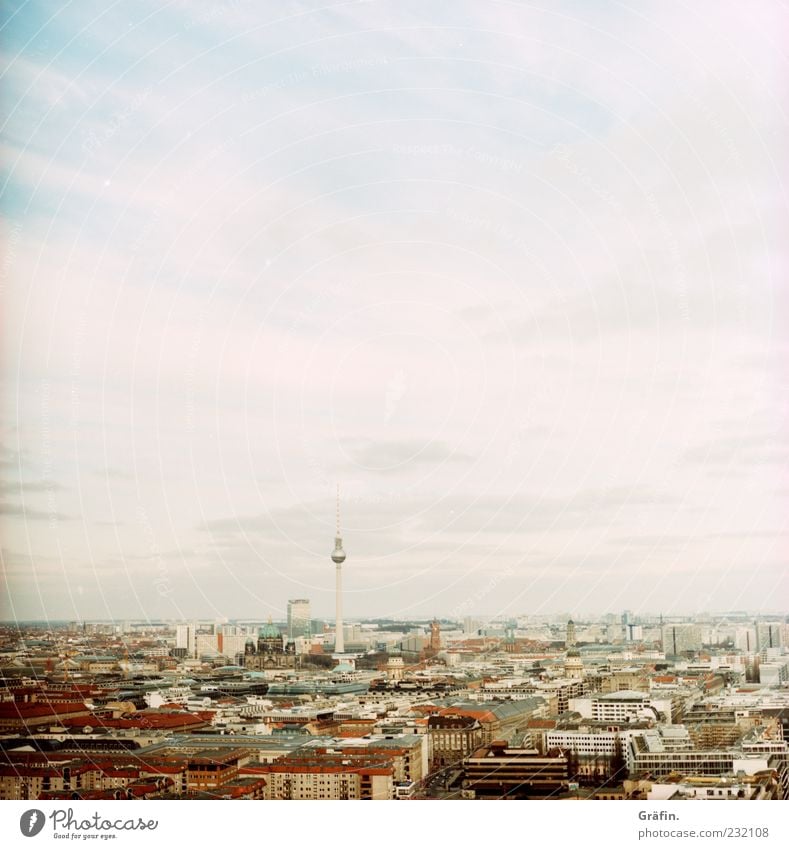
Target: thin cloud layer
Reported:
point(512, 276)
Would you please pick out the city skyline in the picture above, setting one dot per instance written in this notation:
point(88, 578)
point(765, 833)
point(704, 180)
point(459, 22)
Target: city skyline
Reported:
point(566, 710)
point(511, 275)
point(280, 617)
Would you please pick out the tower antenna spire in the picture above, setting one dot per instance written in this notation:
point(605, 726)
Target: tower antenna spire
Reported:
point(338, 509)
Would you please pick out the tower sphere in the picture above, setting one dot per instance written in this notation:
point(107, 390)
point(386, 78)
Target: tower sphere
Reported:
point(338, 555)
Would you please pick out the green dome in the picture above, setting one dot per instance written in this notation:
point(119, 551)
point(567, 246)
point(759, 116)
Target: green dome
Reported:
point(269, 631)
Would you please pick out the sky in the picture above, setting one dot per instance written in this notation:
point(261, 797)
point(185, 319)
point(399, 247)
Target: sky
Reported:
point(513, 275)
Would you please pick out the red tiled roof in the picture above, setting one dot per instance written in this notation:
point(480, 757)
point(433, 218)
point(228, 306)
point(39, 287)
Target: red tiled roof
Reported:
point(172, 768)
point(482, 715)
point(55, 795)
point(33, 710)
point(15, 757)
point(43, 689)
point(379, 750)
point(41, 771)
point(119, 772)
point(362, 770)
point(138, 720)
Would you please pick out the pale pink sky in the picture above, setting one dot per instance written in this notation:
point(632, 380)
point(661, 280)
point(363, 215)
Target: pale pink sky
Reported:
point(514, 277)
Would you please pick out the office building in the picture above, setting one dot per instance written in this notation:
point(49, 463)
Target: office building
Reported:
point(768, 636)
point(591, 745)
point(185, 638)
point(500, 772)
point(679, 639)
point(622, 706)
point(298, 618)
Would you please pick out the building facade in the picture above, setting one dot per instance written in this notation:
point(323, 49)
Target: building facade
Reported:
point(342, 777)
point(623, 706)
point(271, 652)
point(500, 772)
point(681, 639)
point(453, 738)
point(299, 619)
point(768, 636)
point(185, 638)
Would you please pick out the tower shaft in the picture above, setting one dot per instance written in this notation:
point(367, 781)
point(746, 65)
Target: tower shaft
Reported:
point(338, 558)
point(339, 642)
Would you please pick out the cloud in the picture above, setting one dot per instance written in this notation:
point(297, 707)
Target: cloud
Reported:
point(110, 473)
point(743, 450)
point(505, 273)
point(394, 456)
point(29, 514)
point(9, 486)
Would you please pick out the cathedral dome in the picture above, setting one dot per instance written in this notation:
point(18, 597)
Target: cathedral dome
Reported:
point(269, 631)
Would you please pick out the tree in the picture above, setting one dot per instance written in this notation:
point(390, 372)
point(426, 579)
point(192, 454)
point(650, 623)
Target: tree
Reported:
point(573, 765)
point(619, 771)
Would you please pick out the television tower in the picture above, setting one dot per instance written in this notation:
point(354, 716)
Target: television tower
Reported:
point(338, 558)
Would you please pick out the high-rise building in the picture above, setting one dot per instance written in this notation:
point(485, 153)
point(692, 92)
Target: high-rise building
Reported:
point(745, 639)
point(298, 618)
point(318, 626)
point(681, 638)
point(352, 633)
point(768, 636)
point(634, 633)
point(470, 625)
point(569, 640)
point(231, 645)
point(626, 619)
point(185, 638)
point(207, 644)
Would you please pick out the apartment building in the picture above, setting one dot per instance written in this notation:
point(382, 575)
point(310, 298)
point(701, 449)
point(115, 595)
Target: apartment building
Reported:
point(335, 777)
